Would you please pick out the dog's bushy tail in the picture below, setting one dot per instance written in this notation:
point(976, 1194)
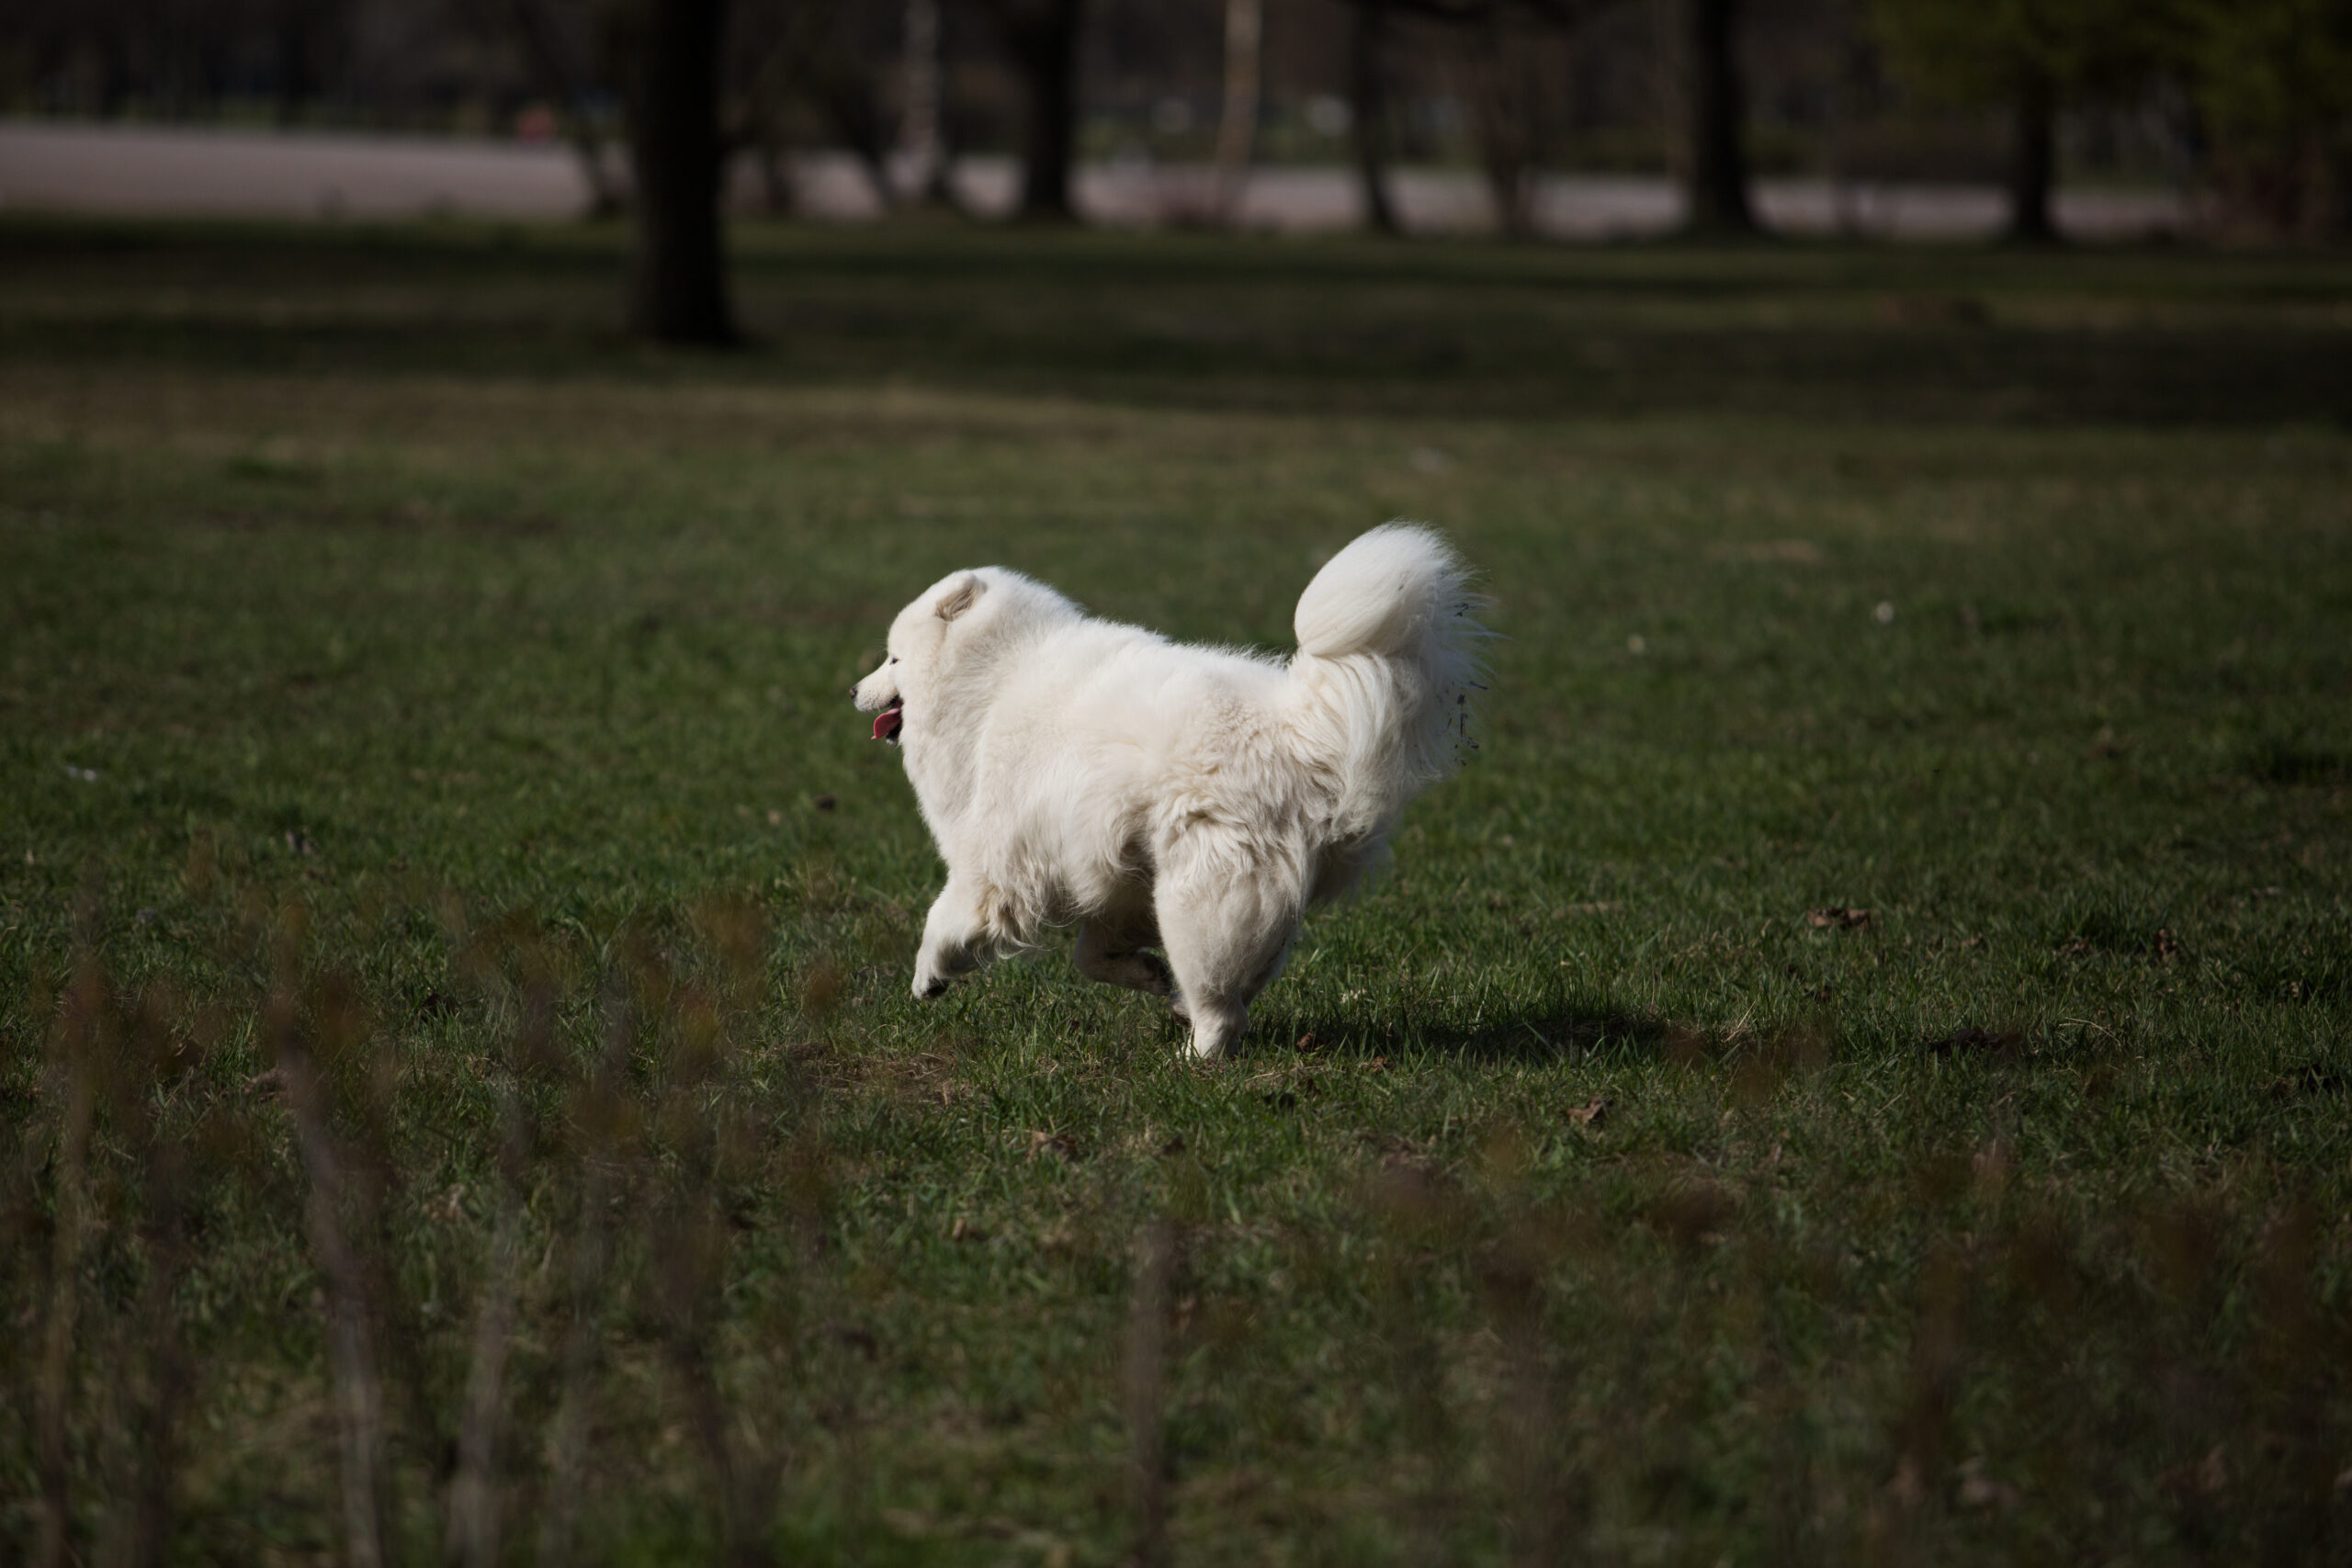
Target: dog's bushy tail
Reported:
point(1387, 668)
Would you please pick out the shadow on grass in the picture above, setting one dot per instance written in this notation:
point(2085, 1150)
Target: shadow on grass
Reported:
point(1578, 1030)
point(1442, 328)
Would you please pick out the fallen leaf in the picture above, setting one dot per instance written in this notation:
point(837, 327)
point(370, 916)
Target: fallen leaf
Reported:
point(1588, 1115)
point(1306, 1041)
point(2167, 946)
point(1061, 1144)
point(1838, 915)
point(1377, 1065)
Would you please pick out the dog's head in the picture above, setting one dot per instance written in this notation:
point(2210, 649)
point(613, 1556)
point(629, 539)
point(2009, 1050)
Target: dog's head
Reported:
point(919, 649)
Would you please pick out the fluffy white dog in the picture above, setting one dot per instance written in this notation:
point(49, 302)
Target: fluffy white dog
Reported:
point(1194, 799)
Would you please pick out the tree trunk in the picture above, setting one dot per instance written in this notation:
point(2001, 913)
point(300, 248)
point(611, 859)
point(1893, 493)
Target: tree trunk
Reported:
point(1715, 173)
point(1237, 132)
point(920, 130)
point(1367, 87)
point(1043, 36)
point(678, 278)
point(1507, 101)
point(2033, 161)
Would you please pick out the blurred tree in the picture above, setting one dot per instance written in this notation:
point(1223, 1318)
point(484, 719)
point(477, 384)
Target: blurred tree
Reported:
point(559, 48)
point(1042, 38)
point(2274, 80)
point(678, 291)
point(922, 121)
point(1368, 99)
point(1507, 66)
point(1236, 133)
point(1712, 110)
point(801, 69)
point(1513, 87)
point(2030, 55)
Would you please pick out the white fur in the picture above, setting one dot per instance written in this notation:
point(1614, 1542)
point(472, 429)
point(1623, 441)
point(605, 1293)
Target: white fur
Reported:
point(1193, 799)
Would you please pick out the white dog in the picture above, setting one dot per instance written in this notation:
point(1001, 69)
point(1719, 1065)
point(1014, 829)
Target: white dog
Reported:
point(1194, 799)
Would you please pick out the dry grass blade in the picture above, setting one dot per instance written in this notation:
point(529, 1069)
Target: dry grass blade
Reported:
point(688, 1242)
point(351, 1358)
point(1146, 1392)
point(599, 1125)
point(74, 1069)
point(689, 1253)
point(147, 1528)
point(474, 1498)
point(141, 1533)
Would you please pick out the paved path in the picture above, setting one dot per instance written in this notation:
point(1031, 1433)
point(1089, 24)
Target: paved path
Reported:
point(149, 171)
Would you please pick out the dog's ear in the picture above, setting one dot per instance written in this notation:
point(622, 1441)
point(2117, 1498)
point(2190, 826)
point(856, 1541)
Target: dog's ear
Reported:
point(961, 597)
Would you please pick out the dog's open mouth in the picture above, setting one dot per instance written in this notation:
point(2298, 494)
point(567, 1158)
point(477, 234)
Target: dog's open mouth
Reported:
point(887, 722)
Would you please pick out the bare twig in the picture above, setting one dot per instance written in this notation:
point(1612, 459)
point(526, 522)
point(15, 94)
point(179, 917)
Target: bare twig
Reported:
point(1146, 1392)
point(75, 1068)
point(351, 1357)
point(597, 1123)
point(145, 1531)
point(689, 1256)
point(145, 1064)
point(474, 1500)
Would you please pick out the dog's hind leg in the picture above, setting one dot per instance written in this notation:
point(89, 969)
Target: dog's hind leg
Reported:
point(1226, 921)
point(955, 936)
point(1111, 952)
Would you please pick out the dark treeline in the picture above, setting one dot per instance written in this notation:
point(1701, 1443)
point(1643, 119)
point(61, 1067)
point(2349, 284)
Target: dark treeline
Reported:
point(2248, 100)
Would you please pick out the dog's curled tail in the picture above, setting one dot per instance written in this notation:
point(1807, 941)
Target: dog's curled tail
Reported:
point(1387, 638)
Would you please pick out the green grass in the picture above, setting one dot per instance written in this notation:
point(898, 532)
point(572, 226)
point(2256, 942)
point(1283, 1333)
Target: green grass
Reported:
point(397, 665)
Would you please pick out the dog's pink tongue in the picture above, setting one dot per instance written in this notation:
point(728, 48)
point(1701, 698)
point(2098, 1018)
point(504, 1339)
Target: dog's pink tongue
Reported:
point(885, 724)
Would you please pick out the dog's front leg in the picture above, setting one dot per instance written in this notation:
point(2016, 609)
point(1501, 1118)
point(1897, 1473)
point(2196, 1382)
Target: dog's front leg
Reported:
point(952, 935)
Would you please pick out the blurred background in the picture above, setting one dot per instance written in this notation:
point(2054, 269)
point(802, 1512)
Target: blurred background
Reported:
point(1553, 118)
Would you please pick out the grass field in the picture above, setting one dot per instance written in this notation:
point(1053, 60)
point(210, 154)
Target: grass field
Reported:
point(1855, 1069)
